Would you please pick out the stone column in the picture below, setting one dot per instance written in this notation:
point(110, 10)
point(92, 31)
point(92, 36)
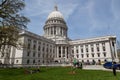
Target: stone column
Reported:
point(115, 50)
point(53, 30)
point(36, 56)
point(57, 30)
point(65, 52)
point(50, 30)
point(68, 52)
point(61, 51)
point(57, 51)
point(47, 32)
point(41, 57)
point(62, 31)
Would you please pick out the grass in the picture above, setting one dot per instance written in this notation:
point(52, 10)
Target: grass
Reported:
point(57, 73)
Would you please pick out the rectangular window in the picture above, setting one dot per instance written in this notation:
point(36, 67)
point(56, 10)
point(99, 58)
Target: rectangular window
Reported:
point(97, 45)
point(47, 50)
point(77, 55)
point(82, 55)
point(81, 50)
point(103, 44)
point(59, 54)
point(29, 40)
point(87, 55)
point(38, 54)
point(43, 49)
point(28, 47)
point(39, 48)
point(33, 54)
point(92, 54)
point(86, 46)
point(86, 49)
point(28, 53)
point(17, 61)
point(104, 54)
point(104, 49)
point(34, 47)
point(28, 61)
point(98, 54)
point(92, 49)
point(34, 61)
point(98, 49)
point(77, 51)
point(59, 49)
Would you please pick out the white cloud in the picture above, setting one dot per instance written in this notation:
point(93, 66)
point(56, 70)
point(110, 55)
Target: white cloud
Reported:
point(92, 20)
point(44, 7)
point(37, 7)
point(68, 9)
point(116, 8)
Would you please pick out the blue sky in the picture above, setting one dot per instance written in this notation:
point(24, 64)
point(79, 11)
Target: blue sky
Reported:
point(84, 18)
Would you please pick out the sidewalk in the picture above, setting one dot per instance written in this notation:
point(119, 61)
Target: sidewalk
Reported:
point(97, 67)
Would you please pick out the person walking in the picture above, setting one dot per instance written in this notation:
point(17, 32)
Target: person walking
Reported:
point(114, 68)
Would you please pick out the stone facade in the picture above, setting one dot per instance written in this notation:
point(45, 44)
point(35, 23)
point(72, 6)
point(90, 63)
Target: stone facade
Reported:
point(55, 46)
point(96, 50)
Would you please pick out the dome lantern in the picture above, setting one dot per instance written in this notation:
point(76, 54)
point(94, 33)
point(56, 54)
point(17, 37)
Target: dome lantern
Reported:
point(56, 8)
point(55, 14)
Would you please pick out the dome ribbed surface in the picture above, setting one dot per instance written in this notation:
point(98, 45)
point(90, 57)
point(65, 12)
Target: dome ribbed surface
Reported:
point(55, 14)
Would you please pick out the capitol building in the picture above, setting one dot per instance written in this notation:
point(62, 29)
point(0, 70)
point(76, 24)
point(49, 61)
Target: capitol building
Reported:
point(56, 47)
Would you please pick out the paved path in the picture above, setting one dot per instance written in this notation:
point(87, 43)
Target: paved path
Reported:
point(97, 67)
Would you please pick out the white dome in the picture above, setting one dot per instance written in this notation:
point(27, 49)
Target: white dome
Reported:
point(55, 14)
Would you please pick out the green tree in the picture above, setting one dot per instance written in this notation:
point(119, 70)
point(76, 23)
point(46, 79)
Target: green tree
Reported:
point(11, 23)
point(9, 13)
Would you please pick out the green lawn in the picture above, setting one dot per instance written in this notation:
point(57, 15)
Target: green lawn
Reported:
point(57, 73)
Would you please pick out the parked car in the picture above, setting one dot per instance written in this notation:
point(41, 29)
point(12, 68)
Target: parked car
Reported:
point(110, 65)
